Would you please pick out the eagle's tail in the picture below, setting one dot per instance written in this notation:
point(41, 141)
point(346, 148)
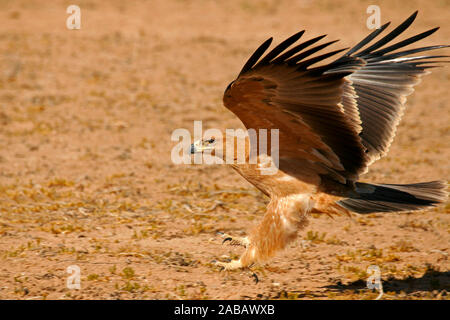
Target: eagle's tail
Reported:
point(395, 197)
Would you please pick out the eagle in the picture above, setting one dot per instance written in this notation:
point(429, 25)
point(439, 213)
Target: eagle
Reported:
point(334, 120)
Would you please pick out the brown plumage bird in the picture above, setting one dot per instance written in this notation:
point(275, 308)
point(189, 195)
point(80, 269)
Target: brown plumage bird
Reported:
point(334, 120)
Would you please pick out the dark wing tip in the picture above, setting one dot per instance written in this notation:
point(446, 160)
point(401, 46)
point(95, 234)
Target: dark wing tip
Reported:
point(256, 55)
point(280, 48)
point(412, 17)
point(390, 36)
point(367, 39)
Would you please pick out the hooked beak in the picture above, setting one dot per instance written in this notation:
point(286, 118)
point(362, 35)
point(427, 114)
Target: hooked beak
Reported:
point(200, 146)
point(196, 147)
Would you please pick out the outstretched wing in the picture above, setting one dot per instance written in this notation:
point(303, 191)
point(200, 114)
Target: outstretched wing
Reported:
point(378, 89)
point(304, 104)
point(338, 118)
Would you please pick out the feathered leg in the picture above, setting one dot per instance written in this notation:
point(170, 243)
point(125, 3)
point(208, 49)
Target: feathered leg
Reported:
point(278, 228)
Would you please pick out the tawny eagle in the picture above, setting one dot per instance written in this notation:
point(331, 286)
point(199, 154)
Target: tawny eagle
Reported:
point(334, 121)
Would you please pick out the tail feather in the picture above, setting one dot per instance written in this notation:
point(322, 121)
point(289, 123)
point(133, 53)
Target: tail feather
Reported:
point(395, 197)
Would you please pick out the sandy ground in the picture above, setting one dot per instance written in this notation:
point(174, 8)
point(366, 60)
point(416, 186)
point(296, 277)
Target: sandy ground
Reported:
point(86, 179)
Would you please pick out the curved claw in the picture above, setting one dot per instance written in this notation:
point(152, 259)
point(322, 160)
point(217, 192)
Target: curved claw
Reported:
point(233, 265)
point(218, 264)
point(235, 241)
point(227, 239)
point(255, 277)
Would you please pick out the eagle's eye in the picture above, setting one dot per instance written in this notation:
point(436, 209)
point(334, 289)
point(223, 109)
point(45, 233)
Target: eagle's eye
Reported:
point(211, 140)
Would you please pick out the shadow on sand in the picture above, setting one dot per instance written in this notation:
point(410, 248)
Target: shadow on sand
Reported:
point(431, 280)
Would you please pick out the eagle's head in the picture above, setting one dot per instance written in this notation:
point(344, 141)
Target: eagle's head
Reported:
point(227, 148)
point(200, 146)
